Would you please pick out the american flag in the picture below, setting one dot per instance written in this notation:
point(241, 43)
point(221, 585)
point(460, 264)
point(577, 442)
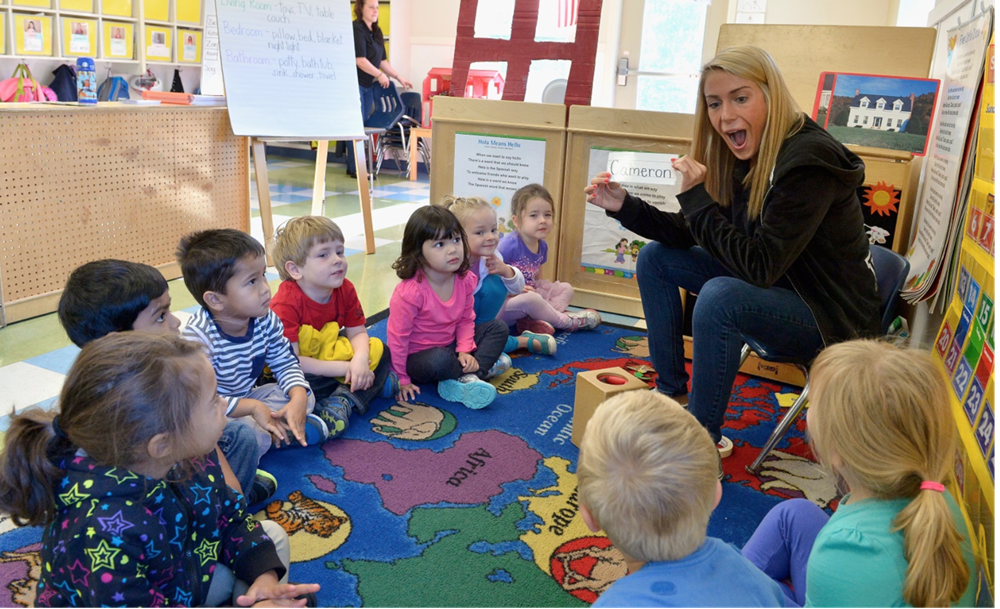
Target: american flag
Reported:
point(567, 12)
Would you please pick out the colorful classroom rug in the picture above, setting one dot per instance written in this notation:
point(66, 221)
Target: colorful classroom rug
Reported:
point(434, 505)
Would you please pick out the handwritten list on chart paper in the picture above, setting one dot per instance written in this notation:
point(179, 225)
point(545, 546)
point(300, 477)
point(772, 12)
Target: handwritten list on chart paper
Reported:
point(289, 69)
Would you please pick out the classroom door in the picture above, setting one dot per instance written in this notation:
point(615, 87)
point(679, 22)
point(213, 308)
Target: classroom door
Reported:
point(663, 44)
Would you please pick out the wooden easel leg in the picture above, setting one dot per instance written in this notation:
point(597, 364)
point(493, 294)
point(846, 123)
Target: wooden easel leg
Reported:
point(365, 194)
point(263, 197)
point(319, 180)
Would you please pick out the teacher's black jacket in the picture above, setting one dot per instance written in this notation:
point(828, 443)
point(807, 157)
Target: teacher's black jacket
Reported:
point(810, 231)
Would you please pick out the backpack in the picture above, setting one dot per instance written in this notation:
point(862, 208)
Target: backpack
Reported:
point(22, 87)
point(64, 83)
point(115, 88)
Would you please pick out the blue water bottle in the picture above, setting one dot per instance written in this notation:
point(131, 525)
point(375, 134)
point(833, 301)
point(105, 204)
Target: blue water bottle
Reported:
point(86, 81)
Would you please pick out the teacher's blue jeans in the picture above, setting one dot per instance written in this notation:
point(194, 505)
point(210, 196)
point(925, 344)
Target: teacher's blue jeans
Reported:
point(367, 108)
point(727, 308)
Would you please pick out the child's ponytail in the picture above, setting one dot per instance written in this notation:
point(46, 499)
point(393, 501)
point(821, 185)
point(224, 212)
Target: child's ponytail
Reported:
point(937, 574)
point(883, 413)
point(27, 473)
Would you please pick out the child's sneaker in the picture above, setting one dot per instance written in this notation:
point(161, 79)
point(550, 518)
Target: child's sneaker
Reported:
point(540, 343)
point(526, 324)
point(587, 319)
point(263, 488)
point(352, 399)
point(316, 430)
point(502, 365)
point(334, 412)
point(391, 388)
point(469, 391)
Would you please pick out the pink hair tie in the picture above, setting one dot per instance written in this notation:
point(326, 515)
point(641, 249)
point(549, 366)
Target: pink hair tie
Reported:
point(928, 485)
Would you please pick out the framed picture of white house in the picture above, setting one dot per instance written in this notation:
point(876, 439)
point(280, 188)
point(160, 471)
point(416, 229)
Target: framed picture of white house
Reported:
point(877, 111)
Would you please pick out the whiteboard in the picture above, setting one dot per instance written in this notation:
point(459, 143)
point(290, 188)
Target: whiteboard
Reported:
point(288, 68)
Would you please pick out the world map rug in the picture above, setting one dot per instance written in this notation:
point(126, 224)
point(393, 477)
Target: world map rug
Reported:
point(430, 504)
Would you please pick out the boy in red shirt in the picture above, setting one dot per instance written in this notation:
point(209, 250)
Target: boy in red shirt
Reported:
point(344, 366)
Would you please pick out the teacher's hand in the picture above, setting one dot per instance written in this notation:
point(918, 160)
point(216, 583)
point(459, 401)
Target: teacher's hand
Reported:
point(383, 80)
point(604, 193)
point(406, 84)
point(692, 170)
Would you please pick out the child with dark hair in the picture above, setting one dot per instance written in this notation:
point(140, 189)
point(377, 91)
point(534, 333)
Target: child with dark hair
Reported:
point(432, 329)
point(135, 433)
point(224, 271)
point(106, 296)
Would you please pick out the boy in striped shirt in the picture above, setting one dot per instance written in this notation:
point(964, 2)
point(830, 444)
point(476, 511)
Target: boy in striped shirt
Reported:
point(224, 271)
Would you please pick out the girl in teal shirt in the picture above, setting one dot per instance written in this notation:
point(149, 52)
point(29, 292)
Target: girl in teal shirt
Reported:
point(880, 419)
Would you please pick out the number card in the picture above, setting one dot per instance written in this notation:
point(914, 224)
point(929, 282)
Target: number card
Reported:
point(953, 354)
point(985, 238)
point(963, 282)
point(963, 327)
point(943, 340)
point(973, 401)
point(972, 295)
point(985, 367)
point(975, 222)
point(984, 431)
point(989, 462)
point(962, 377)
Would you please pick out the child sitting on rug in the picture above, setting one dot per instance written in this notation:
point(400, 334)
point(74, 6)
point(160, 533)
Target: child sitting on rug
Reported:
point(224, 271)
point(116, 479)
point(108, 296)
point(316, 302)
point(647, 475)
point(880, 419)
point(432, 330)
point(540, 308)
point(496, 279)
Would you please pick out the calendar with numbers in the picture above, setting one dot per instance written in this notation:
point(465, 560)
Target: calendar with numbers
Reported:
point(965, 345)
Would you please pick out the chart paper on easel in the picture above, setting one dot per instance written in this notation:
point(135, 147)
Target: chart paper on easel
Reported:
point(289, 69)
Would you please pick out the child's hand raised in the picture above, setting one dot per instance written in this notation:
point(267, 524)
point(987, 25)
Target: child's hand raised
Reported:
point(469, 363)
point(407, 392)
point(497, 267)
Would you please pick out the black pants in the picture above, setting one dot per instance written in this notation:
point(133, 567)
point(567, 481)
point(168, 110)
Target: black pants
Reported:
point(323, 386)
point(441, 363)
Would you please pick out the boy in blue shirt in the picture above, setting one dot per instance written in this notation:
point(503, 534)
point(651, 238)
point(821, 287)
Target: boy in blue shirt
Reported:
point(107, 296)
point(647, 475)
point(224, 270)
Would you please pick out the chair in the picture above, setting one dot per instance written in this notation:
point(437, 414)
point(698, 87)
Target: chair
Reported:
point(393, 116)
point(388, 110)
point(890, 273)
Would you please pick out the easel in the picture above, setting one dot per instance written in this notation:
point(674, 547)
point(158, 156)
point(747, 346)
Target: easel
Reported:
point(319, 189)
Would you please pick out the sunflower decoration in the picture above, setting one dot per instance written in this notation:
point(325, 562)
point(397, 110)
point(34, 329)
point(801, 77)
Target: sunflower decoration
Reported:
point(881, 199)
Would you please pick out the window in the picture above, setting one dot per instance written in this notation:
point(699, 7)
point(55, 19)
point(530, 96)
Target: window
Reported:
point(673, 33)
point(864, 102)
point(880, 104)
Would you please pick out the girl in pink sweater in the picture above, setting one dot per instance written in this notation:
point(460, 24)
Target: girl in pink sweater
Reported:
point(432, 333)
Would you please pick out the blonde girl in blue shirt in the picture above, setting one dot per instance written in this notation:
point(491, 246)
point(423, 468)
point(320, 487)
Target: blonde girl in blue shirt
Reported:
point(880, 419)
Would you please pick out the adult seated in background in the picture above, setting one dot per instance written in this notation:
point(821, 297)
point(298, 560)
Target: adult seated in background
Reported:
point(770, 237)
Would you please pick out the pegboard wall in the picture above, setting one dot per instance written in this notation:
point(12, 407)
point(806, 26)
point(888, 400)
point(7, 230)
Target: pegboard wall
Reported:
point(81, 184)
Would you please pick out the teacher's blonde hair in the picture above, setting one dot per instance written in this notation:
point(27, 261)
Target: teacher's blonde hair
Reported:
point(883, 413)
point(784, 119)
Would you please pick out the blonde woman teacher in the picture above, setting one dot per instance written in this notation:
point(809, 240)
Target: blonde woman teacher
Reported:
point(374, 70)
point(770, 237)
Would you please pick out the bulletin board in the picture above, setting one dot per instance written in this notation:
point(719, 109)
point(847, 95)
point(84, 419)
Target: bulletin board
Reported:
point(460, 123)
point(966, 346)
point(113, 181)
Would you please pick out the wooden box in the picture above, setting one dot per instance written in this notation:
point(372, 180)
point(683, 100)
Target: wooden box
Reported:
point(595, 386)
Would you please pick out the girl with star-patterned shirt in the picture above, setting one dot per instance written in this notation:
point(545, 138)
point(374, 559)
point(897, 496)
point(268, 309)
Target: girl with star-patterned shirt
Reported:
point(135, 508)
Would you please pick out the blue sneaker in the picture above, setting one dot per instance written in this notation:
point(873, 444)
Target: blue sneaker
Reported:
point(469, 391)
point(335, 412)
point(500, 366)
point(316, 430)
point(353, 401)
point(391, 388)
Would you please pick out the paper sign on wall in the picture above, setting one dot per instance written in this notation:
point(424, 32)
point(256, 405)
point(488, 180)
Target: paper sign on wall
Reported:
point(493, 167)
point(289, 69)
